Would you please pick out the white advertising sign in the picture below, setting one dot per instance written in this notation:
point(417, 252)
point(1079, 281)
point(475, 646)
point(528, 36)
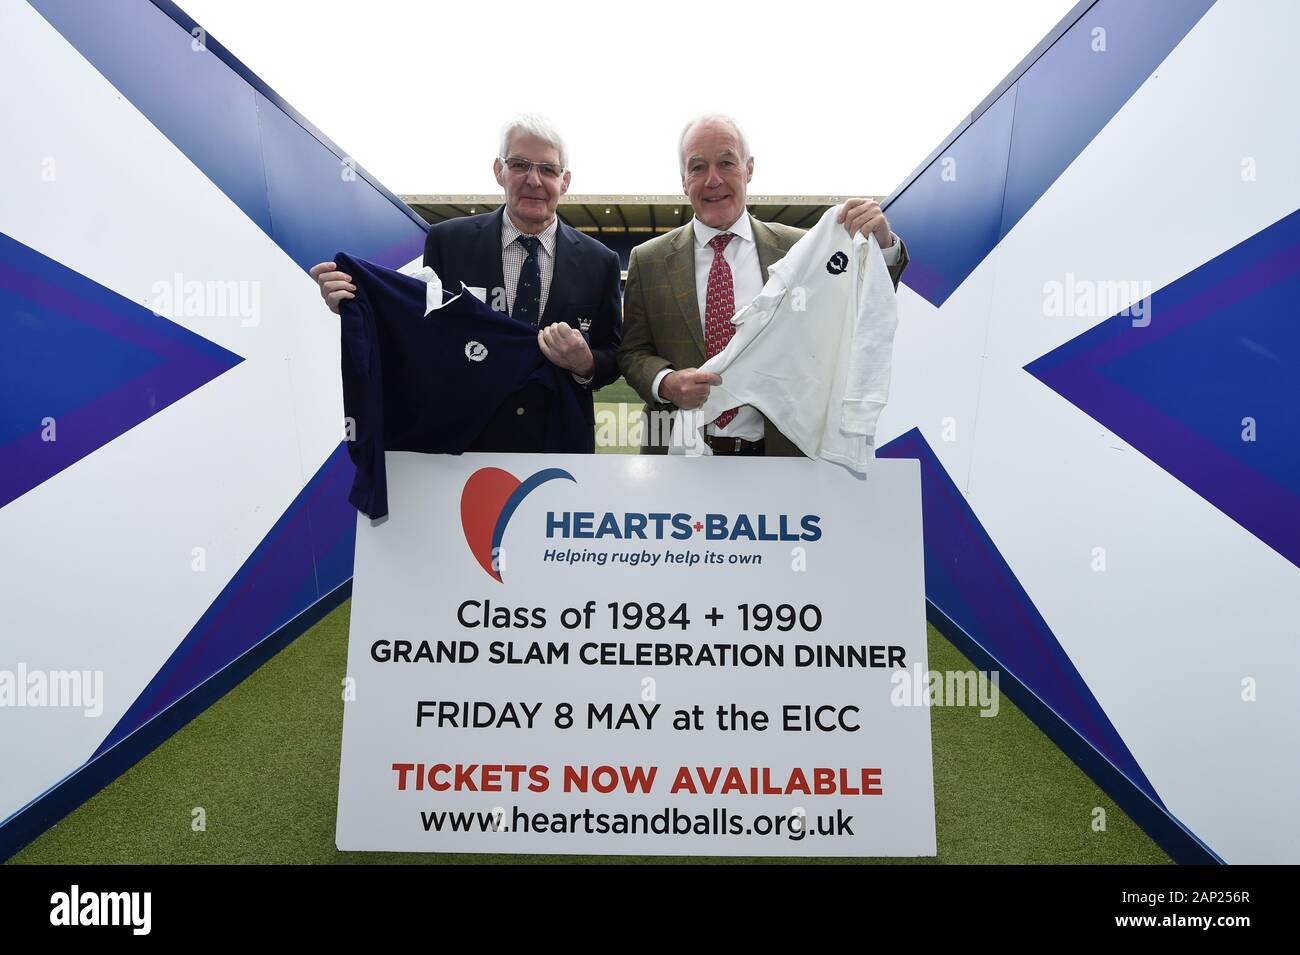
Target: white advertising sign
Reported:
point(638, 655)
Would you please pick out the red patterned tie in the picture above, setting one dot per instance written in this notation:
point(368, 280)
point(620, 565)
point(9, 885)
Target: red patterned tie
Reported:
point(719, 309)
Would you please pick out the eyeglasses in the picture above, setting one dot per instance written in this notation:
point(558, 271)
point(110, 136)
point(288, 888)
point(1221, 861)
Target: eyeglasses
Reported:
point(522, 167)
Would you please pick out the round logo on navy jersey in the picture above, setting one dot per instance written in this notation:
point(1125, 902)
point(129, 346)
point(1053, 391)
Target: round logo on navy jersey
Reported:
point(838, 263)
point(475, 351)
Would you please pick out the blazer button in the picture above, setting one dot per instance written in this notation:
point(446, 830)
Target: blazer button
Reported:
point(519, 411)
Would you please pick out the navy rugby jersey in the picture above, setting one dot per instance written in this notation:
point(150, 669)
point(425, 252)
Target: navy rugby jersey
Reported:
point(417, 382)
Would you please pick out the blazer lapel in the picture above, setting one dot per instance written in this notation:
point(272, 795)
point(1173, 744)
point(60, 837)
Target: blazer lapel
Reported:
point(489, 250)
point(770, 250)
point(558, 268)
point(681, 272)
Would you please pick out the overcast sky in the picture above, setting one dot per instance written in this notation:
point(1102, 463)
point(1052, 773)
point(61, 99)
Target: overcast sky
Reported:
point(836, 98)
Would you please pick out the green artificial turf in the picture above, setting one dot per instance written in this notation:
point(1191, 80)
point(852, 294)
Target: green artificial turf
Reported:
point(619, 391)
point(263, 762)
point(618, 419)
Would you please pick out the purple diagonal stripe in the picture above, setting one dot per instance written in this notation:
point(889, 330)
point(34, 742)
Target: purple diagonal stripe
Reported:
point(29, 460)
point(1232, 288)
point(1255, 501)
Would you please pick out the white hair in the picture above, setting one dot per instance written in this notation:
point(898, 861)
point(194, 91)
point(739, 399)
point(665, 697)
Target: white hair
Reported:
point(537, 126)
point(710, 118)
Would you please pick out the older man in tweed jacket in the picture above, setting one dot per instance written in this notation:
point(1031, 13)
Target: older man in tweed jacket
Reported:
point(684, 287)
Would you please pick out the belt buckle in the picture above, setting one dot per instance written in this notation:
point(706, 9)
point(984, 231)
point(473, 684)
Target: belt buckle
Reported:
point(739, 441)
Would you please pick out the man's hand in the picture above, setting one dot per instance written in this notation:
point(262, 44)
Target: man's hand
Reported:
point(865, 216)
point(335, 286)
point(689, 388)
point(566, 347)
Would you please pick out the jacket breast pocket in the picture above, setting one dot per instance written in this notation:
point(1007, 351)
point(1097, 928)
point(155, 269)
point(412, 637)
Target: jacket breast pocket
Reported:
point(579, 316)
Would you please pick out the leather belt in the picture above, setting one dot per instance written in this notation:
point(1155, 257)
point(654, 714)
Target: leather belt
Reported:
point(721, 445)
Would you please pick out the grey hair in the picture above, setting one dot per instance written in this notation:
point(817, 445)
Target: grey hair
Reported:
point(710, 118)
point(537, 126)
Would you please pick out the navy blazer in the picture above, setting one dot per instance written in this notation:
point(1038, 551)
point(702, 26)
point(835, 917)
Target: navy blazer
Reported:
point(584, 286)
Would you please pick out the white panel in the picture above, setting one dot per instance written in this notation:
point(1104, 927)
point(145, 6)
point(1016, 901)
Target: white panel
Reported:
point(938, 359)
point(97, 561)
point(1190, 602)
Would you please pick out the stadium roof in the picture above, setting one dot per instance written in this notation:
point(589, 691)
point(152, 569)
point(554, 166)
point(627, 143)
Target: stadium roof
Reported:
point(628, 213)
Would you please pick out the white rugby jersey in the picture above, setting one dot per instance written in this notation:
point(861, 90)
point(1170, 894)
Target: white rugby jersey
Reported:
point(812, 351)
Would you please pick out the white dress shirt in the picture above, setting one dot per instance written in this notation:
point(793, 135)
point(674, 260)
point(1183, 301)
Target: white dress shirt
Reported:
point(741, 254)
point(513, 255)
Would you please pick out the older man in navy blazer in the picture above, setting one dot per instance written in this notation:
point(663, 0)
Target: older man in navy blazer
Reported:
point(526, 262)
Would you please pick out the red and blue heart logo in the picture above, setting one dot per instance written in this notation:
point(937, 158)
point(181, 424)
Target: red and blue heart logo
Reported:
point(487, 503)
